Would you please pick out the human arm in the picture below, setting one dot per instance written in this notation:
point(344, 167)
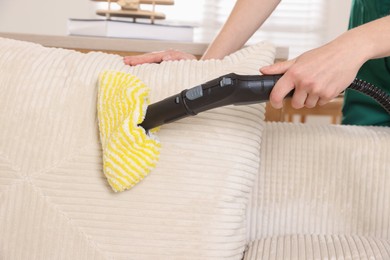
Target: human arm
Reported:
point(321, 74)
point(245, 18)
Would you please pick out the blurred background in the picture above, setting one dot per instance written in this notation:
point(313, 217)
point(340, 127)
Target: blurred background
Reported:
point(297, 24)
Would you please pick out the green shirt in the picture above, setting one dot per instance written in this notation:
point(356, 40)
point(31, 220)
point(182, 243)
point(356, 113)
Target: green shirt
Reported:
point(358, 108)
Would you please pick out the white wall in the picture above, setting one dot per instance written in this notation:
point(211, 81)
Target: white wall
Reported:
point(50, 16)
point(42, 16)
point(337, 18)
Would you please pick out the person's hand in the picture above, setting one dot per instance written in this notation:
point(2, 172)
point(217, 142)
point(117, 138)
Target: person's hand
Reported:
point(317, 76)
point(157, 57)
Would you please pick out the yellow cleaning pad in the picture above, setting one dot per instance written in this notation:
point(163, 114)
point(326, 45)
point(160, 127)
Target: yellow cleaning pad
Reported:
point(129, 153)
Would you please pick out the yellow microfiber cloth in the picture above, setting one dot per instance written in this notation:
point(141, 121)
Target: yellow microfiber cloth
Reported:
point(129, 153)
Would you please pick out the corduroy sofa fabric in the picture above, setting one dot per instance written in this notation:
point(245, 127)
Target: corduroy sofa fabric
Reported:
point(308, 247)
point(322, 192)
point(55, 202)
point(227, 184)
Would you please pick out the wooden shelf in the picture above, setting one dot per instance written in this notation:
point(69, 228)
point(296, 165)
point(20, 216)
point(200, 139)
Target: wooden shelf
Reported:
point(332, 110)
point(131, 14)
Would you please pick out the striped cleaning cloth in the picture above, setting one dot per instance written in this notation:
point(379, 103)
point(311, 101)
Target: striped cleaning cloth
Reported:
point(129, 153)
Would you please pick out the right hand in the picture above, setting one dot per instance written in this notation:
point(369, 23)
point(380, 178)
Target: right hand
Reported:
point(318, 75)
point(157, 57)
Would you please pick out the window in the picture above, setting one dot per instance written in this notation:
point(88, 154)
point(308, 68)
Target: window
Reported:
point(298, 24)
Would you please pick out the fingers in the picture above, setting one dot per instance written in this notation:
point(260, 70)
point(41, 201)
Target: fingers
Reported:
point(323, 101)
point(177, 55)
point(311, 101)
point(153, 57)
point(284, 84)
point(277, 68)
point(157, 57)
point(306, 92)
point(316, 76)
point(300, 99)
point(304, 95)
point(280, 91)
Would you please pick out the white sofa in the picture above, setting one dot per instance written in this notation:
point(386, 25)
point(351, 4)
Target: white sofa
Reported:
point(227, 186)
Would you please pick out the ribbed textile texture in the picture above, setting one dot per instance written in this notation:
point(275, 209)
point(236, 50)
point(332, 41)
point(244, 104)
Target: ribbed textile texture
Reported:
point(310, 247)
point(330, 180)
point(322, 179)
point(55, 202)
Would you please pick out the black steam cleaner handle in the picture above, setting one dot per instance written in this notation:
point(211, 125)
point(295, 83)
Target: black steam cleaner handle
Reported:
point(233, 89)
point(230, 89)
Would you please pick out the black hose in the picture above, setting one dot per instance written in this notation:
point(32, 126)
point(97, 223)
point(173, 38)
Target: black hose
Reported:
point(374, 92)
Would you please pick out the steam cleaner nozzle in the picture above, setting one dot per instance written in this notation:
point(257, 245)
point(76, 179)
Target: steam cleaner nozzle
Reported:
point(230, 89)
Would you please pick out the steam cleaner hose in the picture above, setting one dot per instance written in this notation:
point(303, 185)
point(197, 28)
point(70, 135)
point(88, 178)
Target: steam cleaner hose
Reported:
point(374, 92)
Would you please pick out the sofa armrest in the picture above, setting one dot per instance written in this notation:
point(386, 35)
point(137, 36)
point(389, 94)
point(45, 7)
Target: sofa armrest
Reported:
point(322, 179)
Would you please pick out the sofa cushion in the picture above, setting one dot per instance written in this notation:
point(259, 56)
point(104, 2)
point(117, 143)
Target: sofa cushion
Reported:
point(322, 179)
point(318, 247)
point(54, 199)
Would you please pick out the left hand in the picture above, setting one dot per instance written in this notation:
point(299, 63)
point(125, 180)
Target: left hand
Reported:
point(317, 76)
point(157, 57)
